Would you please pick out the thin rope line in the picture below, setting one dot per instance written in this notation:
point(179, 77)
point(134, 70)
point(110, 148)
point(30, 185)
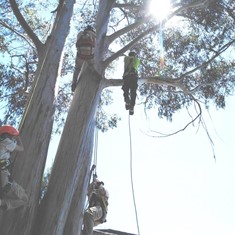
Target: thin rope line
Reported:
point(132, 184)
point(96, 148)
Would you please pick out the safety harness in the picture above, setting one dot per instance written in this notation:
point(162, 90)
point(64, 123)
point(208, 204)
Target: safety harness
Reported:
point(5, 165)
point(129, 70)
point(96, 199)
point(85, 46)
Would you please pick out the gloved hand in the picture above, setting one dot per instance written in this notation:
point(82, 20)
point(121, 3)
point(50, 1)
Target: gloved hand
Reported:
point(4, 164)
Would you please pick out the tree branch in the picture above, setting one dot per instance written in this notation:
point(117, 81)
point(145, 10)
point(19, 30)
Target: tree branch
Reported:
point(144, 34)
point(4, 24)
point(222, 49)
point(160, 80)
point(184, 128)
point(122, 31)
point(38, 44)
point(126, 6)
point(141, 36)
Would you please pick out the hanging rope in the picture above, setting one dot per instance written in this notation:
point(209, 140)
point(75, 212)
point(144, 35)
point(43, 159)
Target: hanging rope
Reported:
point(95, 149)
point(93, 173)
point(162, 59)
point(132, 184)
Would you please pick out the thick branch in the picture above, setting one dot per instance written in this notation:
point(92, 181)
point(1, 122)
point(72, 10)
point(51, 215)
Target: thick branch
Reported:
point(141, 36)
point(144, 34)
point(109, 39)
point(102, 18)
point(154, 80)
point(223, 48)
point(126, 6)
point(112, 82)
point(16, 32)
point(25, 26)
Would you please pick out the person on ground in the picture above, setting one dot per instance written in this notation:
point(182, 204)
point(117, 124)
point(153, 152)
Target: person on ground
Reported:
point(12, 195)
point(98, 206)
point(85, 51)
point(130, 81)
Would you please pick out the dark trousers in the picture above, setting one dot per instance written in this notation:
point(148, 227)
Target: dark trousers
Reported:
point(130, 84)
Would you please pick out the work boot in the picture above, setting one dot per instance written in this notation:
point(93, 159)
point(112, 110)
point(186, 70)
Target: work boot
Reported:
point(127, 106)
point(3, 205)
point(131, 110)
point(73, 87)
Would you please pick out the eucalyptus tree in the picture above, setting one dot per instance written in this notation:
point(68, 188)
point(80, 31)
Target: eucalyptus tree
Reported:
point(186, 79)
point(37, 120)
point(195, 70)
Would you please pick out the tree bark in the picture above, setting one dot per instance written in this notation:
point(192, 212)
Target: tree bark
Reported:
point(62, 208)
point(37, 126)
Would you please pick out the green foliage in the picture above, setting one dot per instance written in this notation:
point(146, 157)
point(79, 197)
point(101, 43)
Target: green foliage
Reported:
point(198, 57)
point(105, 121)
point(19, 57)
point(196, 54)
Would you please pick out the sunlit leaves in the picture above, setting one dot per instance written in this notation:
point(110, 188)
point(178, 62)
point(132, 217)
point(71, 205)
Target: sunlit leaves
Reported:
point(194, 49)
point(191, 53)
point(19, 59)
point(105, 121)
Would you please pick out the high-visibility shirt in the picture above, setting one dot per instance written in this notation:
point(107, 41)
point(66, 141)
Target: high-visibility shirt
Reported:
point(131, 64)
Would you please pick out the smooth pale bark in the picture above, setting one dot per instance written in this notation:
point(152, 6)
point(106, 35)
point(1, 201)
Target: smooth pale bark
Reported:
point(37, 126)
point(61, 210)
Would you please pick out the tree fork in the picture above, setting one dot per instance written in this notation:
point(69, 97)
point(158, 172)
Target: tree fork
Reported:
point(36, 127)
point(62, 208)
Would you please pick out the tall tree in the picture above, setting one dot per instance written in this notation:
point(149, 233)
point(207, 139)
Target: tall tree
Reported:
point(195, 70)
point(74, 173)
point(37, 121)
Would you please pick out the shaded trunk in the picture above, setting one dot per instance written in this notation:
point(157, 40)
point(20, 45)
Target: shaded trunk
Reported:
point(36, 127)
point(62, 208)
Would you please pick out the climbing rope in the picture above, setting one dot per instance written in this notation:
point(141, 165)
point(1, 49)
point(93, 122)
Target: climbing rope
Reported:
point(162, 59)
point(93, 173)
point(95, 149)
point(132, 184)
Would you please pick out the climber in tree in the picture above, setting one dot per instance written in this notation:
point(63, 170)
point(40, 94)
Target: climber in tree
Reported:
point(98, 205)
point(130, 81)
point(12, 195)
point(85, 51)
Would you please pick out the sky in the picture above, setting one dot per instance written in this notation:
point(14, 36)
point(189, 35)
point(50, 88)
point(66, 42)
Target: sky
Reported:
point(179, 188)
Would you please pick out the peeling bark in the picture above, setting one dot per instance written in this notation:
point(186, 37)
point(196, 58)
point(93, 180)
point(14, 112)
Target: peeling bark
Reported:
point(36, 127)
point(61, 210)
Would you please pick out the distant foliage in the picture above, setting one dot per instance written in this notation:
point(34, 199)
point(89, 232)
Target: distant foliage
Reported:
point(197, 54)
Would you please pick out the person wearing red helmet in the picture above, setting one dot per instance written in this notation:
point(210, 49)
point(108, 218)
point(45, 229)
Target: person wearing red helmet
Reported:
point(12, 195)
point(9, 130)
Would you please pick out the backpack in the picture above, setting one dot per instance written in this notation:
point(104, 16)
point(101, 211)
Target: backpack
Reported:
point(85, 45)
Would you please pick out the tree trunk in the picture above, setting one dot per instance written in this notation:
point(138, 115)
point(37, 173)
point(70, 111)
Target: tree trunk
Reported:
point(62, 208)
point(37, 126)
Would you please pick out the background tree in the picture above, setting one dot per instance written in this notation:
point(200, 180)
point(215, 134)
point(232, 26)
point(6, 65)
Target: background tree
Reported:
point(195, 70)
point(37, 121)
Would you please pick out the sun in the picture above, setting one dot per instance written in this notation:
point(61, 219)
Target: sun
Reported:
point(160, 9)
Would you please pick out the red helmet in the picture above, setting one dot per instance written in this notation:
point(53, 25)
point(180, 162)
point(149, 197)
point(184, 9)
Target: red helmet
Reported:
point(9, 130)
